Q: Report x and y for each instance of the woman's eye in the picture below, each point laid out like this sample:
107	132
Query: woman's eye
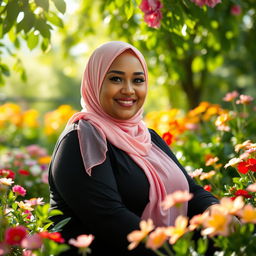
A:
139	80
115	79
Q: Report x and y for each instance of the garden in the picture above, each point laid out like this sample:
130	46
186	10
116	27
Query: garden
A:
201	102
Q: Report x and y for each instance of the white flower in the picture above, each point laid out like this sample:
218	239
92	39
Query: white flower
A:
35	170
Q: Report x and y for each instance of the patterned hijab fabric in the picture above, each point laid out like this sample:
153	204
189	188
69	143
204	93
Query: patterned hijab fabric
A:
131	136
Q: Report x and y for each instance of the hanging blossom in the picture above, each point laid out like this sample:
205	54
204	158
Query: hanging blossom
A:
152	12
210	3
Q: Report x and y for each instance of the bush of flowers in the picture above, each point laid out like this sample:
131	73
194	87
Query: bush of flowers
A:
25	225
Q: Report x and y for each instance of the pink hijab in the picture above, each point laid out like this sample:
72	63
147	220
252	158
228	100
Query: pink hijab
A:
131	136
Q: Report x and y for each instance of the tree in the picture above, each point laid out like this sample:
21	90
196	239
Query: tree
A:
187	47
26	21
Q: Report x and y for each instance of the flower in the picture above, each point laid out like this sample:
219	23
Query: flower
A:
178	230
6	181
207	175
208	188
36	151
167	137
244	99
242	192
82	241
35	201
138	235
35	170
156	238
246	166
44	160
55	236
248	214
19	190
246	144
210	3
32	242
6	173
233	162
24	172
235	10
230	206
198	220
14	235
196	173
176	199
4	248
152	12
230	96
212	161
217	223
25	206
252	187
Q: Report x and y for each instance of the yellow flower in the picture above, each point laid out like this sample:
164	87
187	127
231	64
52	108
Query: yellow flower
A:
25	206
245	144
176	199
157	238
30	118
217	223
248	214
137	236
44	160
198	220
178	230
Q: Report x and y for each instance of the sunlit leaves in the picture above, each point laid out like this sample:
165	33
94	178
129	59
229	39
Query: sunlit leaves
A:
60	5
32	40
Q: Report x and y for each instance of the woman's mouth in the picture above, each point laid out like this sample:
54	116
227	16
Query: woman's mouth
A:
125	102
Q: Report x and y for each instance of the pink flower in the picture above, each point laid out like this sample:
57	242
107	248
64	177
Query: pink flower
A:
19	190
82	241
14	236
210	3
44	177
152	12
36	151
28	253
230	96
235	10
244	99
35	201
252	187
32	242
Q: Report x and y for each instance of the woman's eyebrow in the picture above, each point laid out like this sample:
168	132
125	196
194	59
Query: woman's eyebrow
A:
122	73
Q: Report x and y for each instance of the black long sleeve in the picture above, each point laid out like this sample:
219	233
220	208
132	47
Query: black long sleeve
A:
109	203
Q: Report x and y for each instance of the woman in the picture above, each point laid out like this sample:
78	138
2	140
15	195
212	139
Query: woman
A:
108	170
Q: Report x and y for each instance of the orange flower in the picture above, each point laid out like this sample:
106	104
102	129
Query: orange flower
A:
25	206
178	230
217	223
198	220
248	214
137	236
176	199
44	160
212	161
157	238
82	241
207	175
230	206
245	145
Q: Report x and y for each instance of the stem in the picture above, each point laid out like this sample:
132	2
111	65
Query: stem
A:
167	248
160	253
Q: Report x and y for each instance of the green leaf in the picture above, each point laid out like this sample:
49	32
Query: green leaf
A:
43	28
27	22
58	226
43	3
55	212
32	40
60	5
202	245
45	45
128	9
13	10
54	19
6	71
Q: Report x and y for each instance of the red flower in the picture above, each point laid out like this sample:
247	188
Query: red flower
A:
235	10
208	188
15	235
55	236
242	192
167	137
246	166
6	173
23	172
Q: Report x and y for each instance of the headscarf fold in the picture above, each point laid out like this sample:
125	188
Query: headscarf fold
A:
131	136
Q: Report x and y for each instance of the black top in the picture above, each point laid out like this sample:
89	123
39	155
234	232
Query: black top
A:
109	203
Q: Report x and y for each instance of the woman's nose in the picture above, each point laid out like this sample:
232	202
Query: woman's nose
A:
127	88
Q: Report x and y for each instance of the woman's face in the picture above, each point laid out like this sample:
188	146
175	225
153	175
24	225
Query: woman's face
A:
124	89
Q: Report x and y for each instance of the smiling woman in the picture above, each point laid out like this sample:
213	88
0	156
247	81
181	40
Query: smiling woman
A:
108	170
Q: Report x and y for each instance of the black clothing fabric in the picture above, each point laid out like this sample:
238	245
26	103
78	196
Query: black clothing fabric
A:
109	203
